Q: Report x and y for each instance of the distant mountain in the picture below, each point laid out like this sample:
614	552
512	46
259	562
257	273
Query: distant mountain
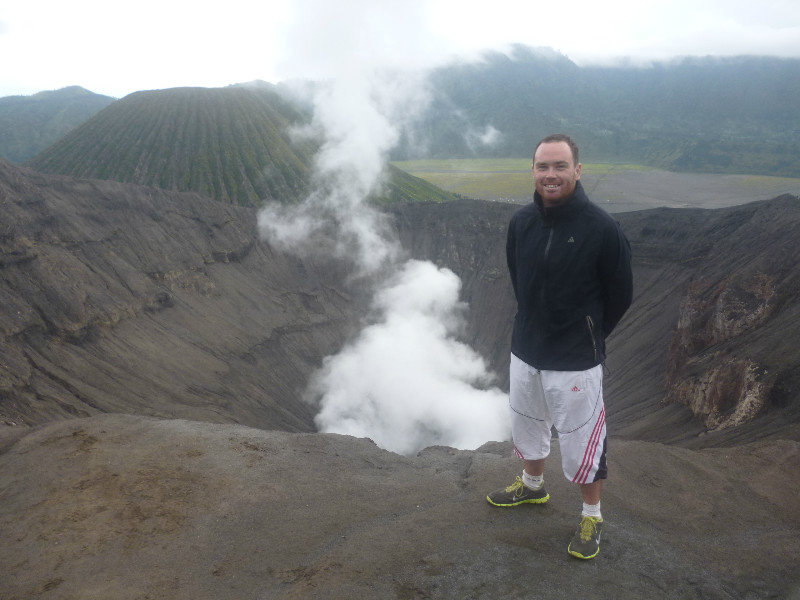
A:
696	114
29	124
721	115
233	144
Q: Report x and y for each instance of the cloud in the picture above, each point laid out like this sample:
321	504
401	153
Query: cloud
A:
329	38
168	44
406	382
489	136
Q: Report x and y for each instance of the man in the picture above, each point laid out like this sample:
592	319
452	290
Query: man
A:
570	267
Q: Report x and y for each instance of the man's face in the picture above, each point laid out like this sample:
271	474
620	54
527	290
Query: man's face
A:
555	173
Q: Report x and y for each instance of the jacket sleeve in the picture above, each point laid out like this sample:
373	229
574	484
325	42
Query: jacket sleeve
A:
617	277
511	255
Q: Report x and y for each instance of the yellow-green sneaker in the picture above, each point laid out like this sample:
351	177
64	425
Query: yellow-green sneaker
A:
585	543
518	493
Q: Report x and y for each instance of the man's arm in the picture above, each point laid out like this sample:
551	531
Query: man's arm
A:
617	277
511	255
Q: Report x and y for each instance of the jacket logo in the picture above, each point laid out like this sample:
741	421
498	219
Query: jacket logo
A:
575	388
571	240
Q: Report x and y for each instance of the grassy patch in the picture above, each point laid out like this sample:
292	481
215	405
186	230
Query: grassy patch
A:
461	165
507	179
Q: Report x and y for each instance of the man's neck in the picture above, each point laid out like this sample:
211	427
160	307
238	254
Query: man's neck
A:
555	203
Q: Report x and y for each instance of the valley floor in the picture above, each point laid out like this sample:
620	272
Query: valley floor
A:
619	188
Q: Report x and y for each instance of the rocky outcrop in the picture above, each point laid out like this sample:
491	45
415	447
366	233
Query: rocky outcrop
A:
731	343
724	396
731	391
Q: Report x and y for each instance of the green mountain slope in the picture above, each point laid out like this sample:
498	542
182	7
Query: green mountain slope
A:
29	124
403	187
233	144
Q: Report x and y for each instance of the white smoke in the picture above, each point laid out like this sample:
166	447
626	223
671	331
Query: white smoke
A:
406	381
348	168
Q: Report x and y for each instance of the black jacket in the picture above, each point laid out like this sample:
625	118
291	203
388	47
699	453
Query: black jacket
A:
570	266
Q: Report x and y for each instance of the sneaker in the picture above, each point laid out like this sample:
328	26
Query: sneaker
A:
585	543
517	493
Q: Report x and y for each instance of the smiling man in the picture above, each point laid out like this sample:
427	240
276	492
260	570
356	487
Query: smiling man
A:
556	171
570	266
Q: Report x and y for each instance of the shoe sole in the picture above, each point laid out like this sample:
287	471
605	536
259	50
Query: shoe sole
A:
529	501
581	556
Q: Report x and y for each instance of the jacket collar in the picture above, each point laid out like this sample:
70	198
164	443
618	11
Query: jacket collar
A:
571	207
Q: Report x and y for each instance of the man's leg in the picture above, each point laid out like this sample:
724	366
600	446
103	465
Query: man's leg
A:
530	430
533	474
528	489
535	467
592	491
576	401
585	543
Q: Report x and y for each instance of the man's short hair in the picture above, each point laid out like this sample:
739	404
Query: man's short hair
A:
560	137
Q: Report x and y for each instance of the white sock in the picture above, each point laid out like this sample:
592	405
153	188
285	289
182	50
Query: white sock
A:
532	481
592	510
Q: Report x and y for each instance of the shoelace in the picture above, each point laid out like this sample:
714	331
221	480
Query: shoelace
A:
516	486
588	528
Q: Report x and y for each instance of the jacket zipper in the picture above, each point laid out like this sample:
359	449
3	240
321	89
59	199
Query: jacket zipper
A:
543	291
549	242
590	323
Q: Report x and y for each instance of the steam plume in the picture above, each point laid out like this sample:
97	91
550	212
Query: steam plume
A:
348	168
406	381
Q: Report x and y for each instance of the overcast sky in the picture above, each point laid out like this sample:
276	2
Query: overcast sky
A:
118	48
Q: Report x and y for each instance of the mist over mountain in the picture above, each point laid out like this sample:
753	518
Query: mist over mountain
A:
701	114
28	124
716	358
161	359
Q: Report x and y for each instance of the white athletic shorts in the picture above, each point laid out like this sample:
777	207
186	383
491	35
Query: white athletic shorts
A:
570	401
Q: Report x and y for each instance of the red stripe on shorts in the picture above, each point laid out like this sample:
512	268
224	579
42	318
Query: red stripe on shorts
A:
591	449
518	453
